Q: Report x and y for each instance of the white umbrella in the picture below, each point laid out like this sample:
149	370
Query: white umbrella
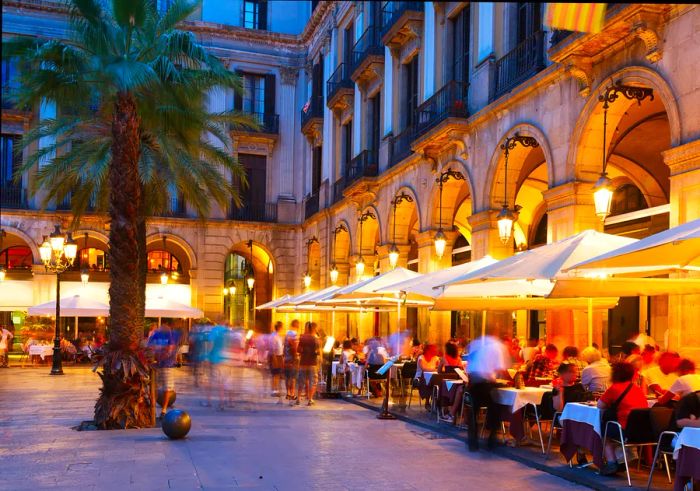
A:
273	304
162	307
75	306
369	291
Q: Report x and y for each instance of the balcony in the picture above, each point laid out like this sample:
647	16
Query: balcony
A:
439	117
401	22
338	188
13	196
521	63
368	57
400	146
364	165
311	205
254	212
312	118
176	208
269	124
340	89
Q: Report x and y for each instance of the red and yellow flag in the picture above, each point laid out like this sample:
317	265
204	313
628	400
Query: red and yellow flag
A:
584	17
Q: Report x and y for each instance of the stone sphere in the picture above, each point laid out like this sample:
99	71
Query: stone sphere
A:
160	397
176	424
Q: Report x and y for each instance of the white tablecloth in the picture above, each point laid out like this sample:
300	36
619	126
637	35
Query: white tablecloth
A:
41	350
518	398
450	383
688	437
356	372
583	413
394	370
427	376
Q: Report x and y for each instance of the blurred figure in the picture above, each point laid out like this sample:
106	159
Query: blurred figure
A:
529	352
638	379
416	349
661	378
648	357
308	363
291	361
6	338
486	357
596	376
219	358
199	351
628	348
687	382
347	356
164	343
571	355
451	360
276	360
543	366
376	357
566	388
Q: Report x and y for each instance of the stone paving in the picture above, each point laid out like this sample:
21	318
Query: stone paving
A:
255	445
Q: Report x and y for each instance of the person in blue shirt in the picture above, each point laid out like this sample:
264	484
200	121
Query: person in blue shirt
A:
164	343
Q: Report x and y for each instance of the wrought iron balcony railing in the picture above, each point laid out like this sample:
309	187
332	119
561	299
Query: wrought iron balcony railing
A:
365	164
254	212
524	61
311	205
268	123
338	188
340	79
13	196
392	12
368	44
448	102
400	146
313	110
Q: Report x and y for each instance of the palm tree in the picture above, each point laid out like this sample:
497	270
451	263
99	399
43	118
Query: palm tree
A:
136	91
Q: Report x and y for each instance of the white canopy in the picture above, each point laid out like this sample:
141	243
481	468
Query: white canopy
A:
368	291
16	295
273	304
673	249
162	307
74	306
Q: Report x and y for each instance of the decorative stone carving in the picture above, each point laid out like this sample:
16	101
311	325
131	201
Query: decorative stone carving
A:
581	68
289	75
647	31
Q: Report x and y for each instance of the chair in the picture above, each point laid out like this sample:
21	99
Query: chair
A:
556	425
414	386
467	402
638	434
371	374
661	418
407	372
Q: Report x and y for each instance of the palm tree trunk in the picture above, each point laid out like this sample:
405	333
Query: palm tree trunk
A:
124	400
143	263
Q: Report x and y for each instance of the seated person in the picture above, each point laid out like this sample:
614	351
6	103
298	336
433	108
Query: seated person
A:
687	413
638	362
649	356
346	357
596	376
661	378
628	396
543	366
428	361
376	357
566	389
451	360
687	383
571	355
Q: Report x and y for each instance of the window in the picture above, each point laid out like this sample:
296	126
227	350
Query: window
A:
459	65
16	257
316	169
346	145
253	195
540	236
373	137
254	94
255	14
163	261
529	20
626	199
11	161
461	251
92	259
410	92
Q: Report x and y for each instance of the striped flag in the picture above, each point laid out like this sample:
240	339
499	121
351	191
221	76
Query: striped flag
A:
584	17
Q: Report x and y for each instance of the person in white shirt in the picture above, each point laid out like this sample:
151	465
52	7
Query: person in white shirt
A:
276	347
687	383
596	376
5	342
661	378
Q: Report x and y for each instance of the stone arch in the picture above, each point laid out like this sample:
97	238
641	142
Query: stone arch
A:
20	238
343	243
453	195
95	239
175	245
407	214
576	165
517	162
371	232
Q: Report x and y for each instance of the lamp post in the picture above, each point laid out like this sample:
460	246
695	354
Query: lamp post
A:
84	272
393	250
602	189
58	253
507	217
250	280
360	264
334	269
307	274
440	239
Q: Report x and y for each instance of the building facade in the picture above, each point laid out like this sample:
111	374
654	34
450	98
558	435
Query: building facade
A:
361	102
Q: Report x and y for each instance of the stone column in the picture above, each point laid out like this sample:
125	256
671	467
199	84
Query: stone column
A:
288	131
485	239
684	310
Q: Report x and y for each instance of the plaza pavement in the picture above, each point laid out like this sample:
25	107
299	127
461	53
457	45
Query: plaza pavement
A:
255	445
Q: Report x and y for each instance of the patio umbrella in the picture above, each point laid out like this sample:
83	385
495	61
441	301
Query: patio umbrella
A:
273	304
73	306
162	307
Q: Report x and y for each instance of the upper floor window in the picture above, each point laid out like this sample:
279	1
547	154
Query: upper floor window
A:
11	159
459	64
163	261
253	93
626	199
91	258
255	14
16	257
529	20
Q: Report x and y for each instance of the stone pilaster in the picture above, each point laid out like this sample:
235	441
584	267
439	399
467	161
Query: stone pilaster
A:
570	210
485	239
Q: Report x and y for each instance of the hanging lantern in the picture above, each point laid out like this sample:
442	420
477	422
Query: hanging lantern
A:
360	267
307	280
250	280
440	243
84	276
225	291
2	273
334	274
164	278
505	224
393	255
602	196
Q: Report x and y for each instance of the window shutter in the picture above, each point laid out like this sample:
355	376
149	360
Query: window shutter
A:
270	93
238	97
262	15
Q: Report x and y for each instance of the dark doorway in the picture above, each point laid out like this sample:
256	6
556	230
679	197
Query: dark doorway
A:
623	323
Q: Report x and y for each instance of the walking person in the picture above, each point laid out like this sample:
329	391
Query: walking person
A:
164	343
276	360
5	342
308	363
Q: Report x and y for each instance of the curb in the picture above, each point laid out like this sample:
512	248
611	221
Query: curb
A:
565	473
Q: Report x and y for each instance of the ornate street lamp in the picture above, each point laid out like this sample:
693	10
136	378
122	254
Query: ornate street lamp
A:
250	276
360	264
440	239
84	273
603	190
58	252
393	250
307	274
334	269
506	217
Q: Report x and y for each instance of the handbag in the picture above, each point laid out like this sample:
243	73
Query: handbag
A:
610	413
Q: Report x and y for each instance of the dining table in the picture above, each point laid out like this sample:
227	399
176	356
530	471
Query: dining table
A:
357	372
41	350
581	427
686	452
513	402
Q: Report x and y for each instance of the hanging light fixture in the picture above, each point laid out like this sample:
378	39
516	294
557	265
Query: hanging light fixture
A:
360	264
334	269
250	276
164	278
84	273
307	274
232	290
440	239
394	250
225	291
603	188
507	217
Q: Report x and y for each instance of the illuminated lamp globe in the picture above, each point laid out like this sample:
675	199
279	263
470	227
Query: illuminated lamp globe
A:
440	243
334	274
45	251
602	196
84	276
57	240
2	273
393	255
164	278
250	280
505	224
360	267
307	280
